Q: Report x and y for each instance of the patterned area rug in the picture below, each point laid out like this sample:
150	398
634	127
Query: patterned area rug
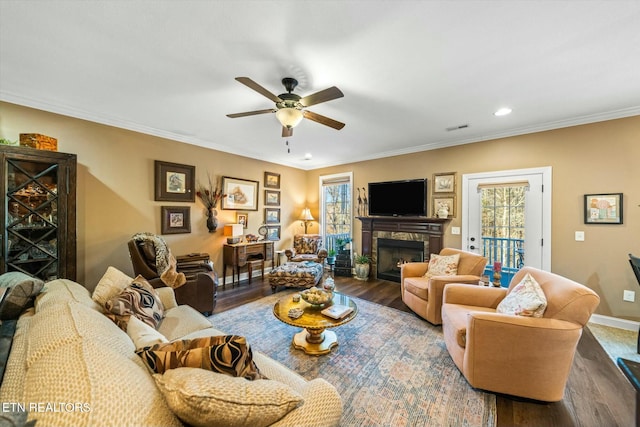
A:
391	368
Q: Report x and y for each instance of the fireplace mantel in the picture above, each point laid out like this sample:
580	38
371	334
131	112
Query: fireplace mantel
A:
434	227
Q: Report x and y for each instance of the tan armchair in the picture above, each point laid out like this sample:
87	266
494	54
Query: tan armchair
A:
306	247
424	295
529	357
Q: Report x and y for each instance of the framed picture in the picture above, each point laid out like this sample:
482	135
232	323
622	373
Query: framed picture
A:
603	208
272	215
271	198
449	201
239	194
175	219
444	182
273	232
174	182
242	218
271	180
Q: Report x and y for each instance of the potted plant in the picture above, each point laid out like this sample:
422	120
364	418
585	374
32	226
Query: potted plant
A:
331	256
341	243
362	265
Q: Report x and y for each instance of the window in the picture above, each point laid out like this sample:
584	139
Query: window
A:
336	207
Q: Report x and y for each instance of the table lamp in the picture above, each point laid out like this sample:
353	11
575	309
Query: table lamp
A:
306	217
233	230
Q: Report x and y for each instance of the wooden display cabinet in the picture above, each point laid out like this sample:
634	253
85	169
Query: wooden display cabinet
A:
39	212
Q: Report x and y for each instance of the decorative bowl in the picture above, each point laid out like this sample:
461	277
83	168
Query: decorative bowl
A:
315	296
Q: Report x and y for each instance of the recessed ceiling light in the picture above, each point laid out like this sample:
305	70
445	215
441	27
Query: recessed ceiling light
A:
502	112
307	156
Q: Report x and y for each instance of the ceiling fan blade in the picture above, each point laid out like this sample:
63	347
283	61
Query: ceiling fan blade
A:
322	96
287	131
255	86
251	113
323	120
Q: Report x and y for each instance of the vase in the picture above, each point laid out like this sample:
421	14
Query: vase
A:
212	220
362	271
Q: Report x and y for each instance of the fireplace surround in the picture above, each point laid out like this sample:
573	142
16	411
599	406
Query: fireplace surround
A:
429	231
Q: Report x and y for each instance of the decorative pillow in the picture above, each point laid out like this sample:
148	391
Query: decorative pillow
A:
225	354
205	398
525	299
111	284
442	265
142	334
22	288
139	300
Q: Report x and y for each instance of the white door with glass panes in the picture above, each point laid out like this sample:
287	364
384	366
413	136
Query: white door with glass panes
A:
507	218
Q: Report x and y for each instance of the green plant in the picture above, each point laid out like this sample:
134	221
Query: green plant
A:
341	243
362	259
4	141
331	253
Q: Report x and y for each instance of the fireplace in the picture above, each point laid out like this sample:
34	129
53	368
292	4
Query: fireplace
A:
392	253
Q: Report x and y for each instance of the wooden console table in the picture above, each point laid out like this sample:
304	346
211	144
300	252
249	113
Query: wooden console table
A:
236	256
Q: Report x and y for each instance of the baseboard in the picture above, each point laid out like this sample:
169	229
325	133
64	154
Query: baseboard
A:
615	322
245	276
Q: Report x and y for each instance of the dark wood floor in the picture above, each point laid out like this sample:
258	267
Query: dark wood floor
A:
597	392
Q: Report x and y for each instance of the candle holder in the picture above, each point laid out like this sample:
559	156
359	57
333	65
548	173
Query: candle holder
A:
496	278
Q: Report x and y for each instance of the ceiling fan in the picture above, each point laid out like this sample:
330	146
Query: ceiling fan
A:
290	108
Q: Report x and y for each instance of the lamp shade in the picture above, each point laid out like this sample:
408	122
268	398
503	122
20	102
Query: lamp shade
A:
289	117
233	230
306	215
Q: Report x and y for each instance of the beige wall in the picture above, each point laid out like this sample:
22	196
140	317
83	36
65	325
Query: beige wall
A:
115	191
595	158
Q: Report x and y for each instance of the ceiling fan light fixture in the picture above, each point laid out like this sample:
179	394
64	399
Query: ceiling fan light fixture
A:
289	117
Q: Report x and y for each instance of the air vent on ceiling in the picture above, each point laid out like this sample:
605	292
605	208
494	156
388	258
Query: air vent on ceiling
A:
457	127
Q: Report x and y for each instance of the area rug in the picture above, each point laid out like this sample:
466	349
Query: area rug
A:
391	368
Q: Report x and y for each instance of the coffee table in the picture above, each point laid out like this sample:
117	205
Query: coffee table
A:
314	339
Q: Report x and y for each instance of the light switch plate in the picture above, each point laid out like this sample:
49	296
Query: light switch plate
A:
629	296
455	230
579	236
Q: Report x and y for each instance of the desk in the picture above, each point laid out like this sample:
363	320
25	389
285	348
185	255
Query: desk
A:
236	256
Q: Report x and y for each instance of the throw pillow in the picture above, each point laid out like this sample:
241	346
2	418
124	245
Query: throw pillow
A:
142	334
525	299
442	265
19	296
225	354
111	284
139	300
205	398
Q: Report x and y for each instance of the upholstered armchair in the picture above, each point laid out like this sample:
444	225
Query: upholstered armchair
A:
423	294
148	251
513	354
306	247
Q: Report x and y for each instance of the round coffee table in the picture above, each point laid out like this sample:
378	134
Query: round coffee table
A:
314	339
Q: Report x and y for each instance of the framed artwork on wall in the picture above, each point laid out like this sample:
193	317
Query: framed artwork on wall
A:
444	182
271	180
239	194
603	208
439	201
175	219
242	218
174	182
273	232
271	198
272	215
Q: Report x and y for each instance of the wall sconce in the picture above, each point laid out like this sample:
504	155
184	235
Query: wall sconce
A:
305	217
233	230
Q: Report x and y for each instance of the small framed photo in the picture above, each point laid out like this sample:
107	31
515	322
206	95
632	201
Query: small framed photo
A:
239	194
603	208
242	218
273	232
175	219
272	215
174	182
271	198
444	182
440	201
271	180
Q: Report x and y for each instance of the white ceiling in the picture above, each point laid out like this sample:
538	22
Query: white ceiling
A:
408	69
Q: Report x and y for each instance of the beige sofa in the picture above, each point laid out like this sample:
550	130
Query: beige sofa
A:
523	356
71	365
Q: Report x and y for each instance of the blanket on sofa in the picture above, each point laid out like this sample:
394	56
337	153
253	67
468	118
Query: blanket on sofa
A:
166	263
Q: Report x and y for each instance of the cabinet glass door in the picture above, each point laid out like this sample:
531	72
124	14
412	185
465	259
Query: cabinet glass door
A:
32	218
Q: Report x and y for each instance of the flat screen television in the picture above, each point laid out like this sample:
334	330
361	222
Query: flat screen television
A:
398	198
